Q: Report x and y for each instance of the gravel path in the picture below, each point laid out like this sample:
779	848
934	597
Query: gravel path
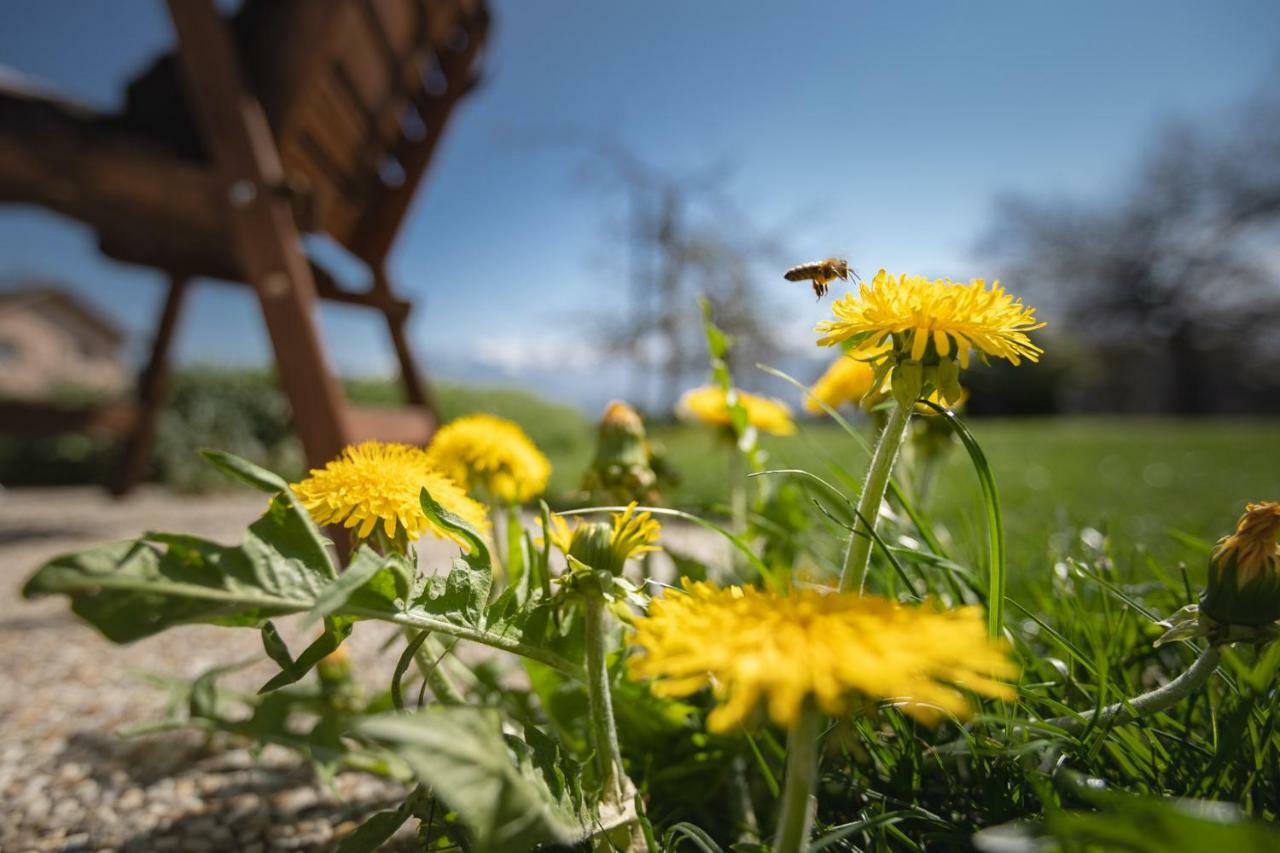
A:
70	782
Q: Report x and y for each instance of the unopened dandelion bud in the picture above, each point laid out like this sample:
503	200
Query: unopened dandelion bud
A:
622	469
591	547
1243	587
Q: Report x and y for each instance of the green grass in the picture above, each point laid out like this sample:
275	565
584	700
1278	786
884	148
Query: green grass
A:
1133	480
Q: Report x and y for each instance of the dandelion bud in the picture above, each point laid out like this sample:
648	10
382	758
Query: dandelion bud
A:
1244	571
622	469
591	546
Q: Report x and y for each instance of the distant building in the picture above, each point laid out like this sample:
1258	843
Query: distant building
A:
52	343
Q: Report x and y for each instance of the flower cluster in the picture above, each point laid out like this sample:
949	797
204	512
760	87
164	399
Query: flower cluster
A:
765	651
709	405
492	456
374	484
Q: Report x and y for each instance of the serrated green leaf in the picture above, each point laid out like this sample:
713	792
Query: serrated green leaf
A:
1140	825
335	631
245	471
135	589
461	754
459	595
358	572
478	552
131	590
375	831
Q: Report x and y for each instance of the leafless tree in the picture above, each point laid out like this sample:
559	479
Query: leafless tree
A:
684	237
1178	275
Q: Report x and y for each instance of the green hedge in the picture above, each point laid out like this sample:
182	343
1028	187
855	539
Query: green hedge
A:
244	412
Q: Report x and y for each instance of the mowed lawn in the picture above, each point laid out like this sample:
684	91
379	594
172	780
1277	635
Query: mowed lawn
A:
1132	480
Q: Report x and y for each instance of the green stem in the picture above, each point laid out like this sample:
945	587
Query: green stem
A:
1120	713
605	732
498	535
796	818
737	492
1146	704
854	574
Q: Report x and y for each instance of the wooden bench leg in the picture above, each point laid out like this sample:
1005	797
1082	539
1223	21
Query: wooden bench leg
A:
152	386
417	391
268	244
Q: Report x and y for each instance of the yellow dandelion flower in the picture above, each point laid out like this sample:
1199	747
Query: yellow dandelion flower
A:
1243	586
848	379
765	651
709	405
916	314
607	546
374	483
491	454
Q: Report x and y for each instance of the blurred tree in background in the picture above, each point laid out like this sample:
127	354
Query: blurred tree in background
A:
685	237
1177	279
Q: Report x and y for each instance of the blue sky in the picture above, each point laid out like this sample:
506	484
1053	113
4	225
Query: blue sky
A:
902	119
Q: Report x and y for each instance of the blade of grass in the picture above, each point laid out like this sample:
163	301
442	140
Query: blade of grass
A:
995	521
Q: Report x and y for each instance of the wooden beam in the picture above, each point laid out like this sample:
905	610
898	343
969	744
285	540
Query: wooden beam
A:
152	388
385	213
265	235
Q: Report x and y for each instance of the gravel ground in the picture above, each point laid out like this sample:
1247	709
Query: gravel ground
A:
70	782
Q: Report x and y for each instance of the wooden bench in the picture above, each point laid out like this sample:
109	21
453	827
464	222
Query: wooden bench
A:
291	117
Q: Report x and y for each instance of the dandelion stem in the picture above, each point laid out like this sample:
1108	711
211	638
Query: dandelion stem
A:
736	491
854	574
737	497
608	753
796	818
1151	702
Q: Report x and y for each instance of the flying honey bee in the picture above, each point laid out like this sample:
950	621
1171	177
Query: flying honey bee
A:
821	273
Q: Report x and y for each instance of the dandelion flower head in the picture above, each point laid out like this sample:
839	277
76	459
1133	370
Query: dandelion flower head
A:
767	651
848	379
710	405
491	454
913	312
373	484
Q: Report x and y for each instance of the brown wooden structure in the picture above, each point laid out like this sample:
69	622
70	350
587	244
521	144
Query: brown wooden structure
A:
292	116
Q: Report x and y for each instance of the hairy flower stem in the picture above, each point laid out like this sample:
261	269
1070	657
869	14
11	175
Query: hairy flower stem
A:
737	492
796	818
737	501
854	574
608	754
1151	702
